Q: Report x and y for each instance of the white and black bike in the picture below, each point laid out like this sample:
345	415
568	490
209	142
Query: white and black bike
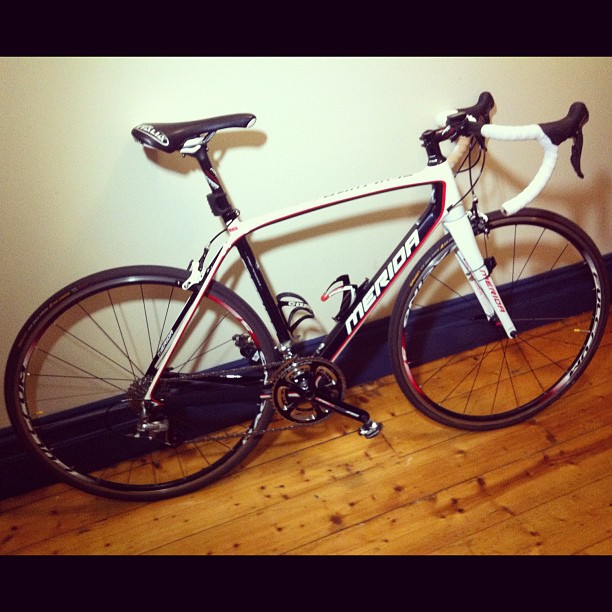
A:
146	382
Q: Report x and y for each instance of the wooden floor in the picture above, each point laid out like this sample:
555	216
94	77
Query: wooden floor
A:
539	488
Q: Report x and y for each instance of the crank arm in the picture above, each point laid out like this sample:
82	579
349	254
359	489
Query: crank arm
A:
369	427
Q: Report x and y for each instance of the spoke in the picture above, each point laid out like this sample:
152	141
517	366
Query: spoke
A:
163	326
535	348
504	360
559	257
487	349
527	362
110	299
70	396
528	259
195	356
179	367
474	379
144	309
140	373
95	350
89	374
451	289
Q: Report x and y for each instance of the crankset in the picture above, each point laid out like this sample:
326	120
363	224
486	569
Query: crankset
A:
309	389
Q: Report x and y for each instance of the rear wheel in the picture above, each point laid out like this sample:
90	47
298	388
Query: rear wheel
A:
75	381
462	370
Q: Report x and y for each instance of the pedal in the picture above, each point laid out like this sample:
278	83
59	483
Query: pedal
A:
370	429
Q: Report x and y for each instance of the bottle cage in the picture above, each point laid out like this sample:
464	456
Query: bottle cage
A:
349	291
299	309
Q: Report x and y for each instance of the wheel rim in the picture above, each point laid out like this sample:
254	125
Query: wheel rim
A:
78	379
476	374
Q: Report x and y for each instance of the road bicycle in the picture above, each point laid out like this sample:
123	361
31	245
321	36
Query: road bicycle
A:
147	382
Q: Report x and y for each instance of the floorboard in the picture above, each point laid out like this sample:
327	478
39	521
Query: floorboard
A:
539	488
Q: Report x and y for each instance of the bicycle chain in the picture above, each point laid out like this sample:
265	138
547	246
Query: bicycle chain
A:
252	434
275	365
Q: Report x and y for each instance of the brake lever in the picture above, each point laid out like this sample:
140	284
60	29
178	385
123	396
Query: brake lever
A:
473	128
464	126
569	127
577	152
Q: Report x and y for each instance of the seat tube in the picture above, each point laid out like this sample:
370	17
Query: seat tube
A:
269	303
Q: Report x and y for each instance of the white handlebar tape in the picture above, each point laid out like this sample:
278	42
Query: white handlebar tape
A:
526	132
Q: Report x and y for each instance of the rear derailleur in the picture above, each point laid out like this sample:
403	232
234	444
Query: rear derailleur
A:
152	422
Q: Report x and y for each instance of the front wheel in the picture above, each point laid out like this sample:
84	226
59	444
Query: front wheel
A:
461	369
76	377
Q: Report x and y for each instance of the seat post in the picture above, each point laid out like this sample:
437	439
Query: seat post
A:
217	199
221	206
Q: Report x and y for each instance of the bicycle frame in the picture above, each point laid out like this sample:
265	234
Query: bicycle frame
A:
96	398
445	195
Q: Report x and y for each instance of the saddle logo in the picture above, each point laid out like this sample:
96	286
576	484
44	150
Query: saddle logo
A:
154	133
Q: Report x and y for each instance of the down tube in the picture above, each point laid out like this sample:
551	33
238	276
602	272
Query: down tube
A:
373	291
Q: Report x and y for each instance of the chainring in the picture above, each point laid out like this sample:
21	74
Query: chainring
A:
298	382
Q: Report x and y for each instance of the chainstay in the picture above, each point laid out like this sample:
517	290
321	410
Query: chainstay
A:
271	368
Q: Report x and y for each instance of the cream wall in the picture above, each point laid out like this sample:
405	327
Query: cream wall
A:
78	195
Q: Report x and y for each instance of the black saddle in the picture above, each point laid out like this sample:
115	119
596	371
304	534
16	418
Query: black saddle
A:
170	137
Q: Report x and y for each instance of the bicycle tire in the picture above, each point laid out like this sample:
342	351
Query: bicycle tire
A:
463	371
72	384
